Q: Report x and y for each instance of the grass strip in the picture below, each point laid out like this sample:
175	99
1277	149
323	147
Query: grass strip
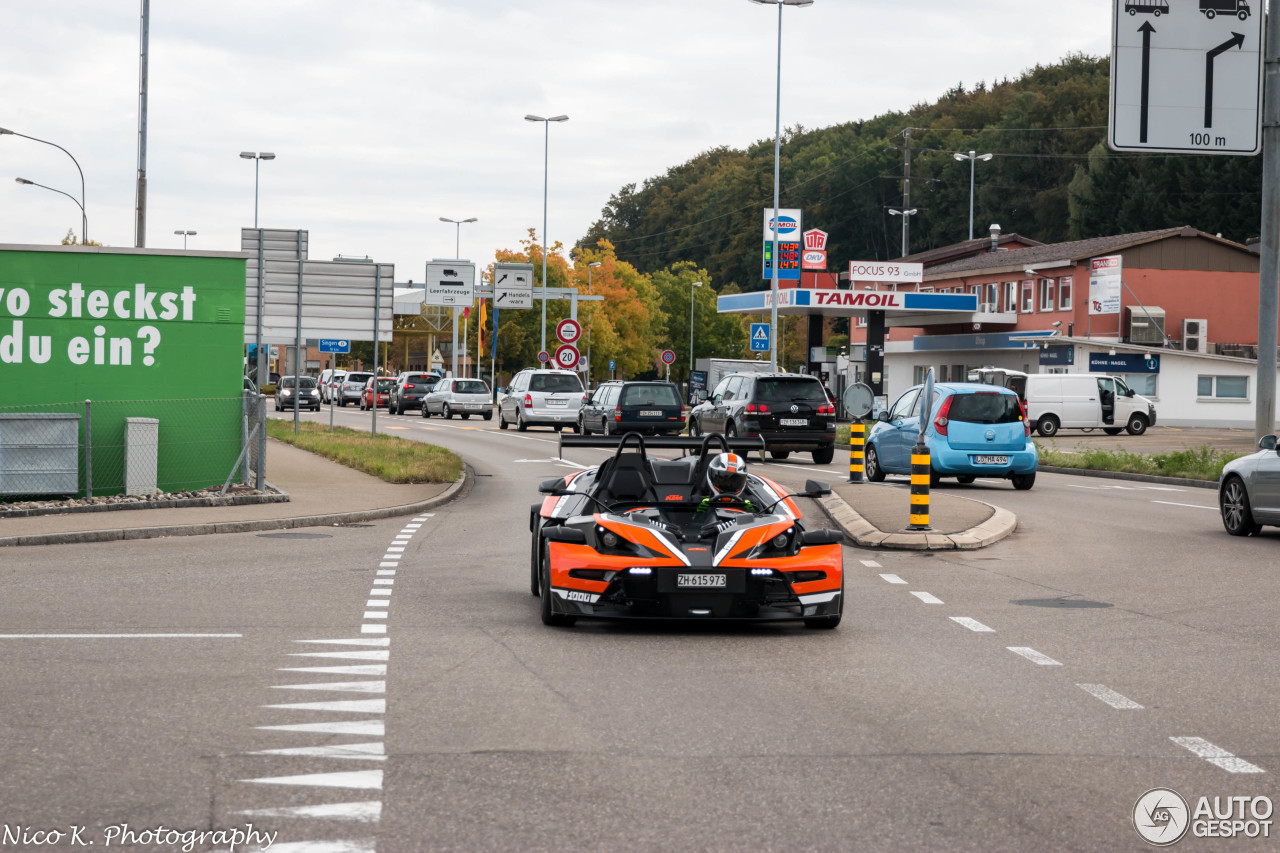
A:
388	457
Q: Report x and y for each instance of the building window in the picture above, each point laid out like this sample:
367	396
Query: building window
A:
1046	294
862	321
993	296
918	374
1223	387
1028	304
924	289
1146	384
1064	294
1011	297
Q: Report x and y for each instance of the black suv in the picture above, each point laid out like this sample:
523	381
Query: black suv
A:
790	411
653	408
409	391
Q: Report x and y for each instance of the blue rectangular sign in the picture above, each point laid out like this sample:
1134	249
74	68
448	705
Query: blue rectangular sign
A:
334	345
759	337
1059	355
1100	362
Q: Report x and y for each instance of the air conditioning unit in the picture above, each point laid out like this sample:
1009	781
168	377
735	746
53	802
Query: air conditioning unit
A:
986	308
1146	325
1195	335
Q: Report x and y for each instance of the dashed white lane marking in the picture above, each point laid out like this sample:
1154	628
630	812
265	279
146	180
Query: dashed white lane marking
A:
1111	697
387	572
364	845
360	641
1193	506
120	636
340	686
374	614
367	812
363	751
383	582
368	780
373	655
360	728
871	564
972	624
1033	655
893	579
395	550
373	629
1216	755
927	598
379	592
361	669
372	603
350	706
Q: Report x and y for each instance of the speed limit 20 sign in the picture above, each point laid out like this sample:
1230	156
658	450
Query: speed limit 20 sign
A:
567	357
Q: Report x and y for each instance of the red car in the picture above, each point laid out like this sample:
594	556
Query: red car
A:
385	387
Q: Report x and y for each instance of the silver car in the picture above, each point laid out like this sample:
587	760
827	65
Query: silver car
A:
464	397
352	388
1249	490
542	397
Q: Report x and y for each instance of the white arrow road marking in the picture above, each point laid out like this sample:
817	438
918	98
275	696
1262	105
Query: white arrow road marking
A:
368	751
1033	655
360	728
367	780
972	624
355	706
342	686
363	669
364	845
356	642
1112	698
1216	755
927	598
376	655
368	812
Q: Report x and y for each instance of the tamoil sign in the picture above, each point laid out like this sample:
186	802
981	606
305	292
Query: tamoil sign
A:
787	229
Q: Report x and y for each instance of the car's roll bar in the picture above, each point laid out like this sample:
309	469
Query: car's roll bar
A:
662	442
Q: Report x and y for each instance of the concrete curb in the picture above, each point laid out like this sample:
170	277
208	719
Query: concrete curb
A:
863	533
457	489
1140	478
278	496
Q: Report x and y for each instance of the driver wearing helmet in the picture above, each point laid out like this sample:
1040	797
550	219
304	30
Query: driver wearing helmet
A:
726	482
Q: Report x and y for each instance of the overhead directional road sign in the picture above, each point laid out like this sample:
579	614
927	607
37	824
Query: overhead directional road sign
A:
513	285
1185	80
450	282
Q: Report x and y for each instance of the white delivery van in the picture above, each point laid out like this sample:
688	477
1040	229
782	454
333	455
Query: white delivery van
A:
1074	400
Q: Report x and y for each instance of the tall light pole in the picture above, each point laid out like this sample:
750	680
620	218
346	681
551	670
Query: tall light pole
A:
897	211
691	292
457	244
256	158
973	157
51	189
592	315
546	143
185	235
84	219
777	158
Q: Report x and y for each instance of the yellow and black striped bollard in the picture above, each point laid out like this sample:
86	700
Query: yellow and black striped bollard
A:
921	474
857	443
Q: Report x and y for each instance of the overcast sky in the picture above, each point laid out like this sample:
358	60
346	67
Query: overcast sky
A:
388	114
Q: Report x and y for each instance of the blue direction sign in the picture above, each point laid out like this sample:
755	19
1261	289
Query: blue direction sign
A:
759	337
334	345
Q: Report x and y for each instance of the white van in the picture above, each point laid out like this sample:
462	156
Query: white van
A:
1075	400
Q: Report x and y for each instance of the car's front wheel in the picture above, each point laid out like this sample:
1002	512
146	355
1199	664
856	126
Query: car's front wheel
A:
695	429
549	616
871	465
826	623
1237	515
1137	424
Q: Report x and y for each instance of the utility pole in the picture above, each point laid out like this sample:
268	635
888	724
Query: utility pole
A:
1269	271
906	195
140	226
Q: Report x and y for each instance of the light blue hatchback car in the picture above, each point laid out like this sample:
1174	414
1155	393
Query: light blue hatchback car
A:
973	431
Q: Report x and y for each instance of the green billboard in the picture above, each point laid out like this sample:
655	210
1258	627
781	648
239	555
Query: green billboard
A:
139	334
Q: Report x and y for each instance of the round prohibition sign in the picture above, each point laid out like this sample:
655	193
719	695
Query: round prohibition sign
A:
567	356
668	357
568	331
543	357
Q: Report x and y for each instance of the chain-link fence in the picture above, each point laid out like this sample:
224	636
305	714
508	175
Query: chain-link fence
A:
110	447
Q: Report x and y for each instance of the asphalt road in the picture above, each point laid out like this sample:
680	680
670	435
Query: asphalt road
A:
911	727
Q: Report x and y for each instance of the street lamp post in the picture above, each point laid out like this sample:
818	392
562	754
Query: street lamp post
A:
973	157
84	218
59	192
256	158
691	292
592	315
185	235
457	244
897	211
546	142
777	158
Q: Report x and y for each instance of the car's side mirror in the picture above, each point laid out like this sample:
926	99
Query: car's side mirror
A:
821	537
816	489
883	416
557	533
555	486
702	396
1267	442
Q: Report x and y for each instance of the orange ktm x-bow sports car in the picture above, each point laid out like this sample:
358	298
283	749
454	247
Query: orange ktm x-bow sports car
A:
690	538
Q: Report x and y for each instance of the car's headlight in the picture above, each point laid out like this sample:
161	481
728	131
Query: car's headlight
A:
286	392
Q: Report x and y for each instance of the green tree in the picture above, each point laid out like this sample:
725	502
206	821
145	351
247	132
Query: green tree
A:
715	335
